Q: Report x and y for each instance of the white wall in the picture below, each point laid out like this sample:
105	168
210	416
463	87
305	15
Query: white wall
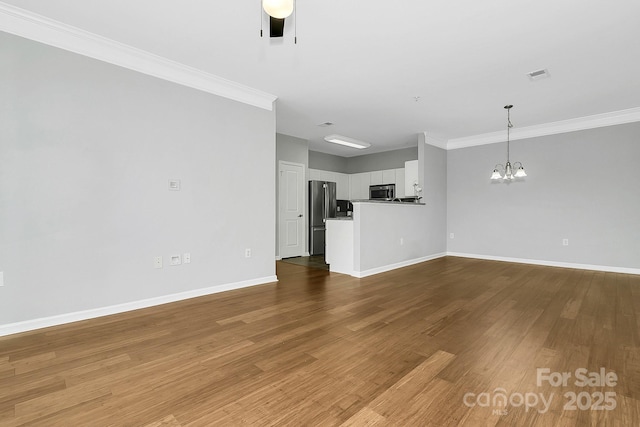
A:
87	149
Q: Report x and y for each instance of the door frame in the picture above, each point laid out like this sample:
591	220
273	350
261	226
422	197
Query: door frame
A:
305	222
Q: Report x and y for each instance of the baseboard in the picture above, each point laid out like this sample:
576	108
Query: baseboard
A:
389	267
609	269
45	322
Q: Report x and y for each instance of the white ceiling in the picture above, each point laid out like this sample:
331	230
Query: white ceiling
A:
361	63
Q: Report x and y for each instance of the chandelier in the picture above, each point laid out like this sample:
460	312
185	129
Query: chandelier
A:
505	171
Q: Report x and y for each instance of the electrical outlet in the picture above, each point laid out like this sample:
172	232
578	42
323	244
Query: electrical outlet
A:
451	235
186	258
175	260
247	253
157	262
174	185
401	241
565	242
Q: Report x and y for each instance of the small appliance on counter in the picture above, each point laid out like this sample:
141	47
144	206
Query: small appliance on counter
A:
382	192
344	208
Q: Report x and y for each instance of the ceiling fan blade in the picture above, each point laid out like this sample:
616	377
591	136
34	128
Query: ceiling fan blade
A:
277	26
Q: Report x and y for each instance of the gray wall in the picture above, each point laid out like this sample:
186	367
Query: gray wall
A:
327	162
393	159
292	149
583	186
433	172
296	150
86	152
380	161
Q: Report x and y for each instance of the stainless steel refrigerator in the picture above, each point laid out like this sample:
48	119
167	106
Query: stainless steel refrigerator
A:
322	205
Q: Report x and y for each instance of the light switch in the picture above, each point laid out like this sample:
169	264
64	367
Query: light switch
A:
174	185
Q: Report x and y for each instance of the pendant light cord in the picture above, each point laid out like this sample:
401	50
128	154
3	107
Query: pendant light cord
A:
509	126
508	131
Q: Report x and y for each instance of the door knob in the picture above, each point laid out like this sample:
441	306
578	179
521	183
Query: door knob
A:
300	216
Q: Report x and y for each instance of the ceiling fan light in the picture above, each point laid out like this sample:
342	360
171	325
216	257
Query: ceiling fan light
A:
279	9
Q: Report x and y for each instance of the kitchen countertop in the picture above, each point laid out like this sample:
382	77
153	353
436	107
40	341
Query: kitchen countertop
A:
388	202
341	218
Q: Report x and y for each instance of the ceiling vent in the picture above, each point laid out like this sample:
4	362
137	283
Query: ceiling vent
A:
538	75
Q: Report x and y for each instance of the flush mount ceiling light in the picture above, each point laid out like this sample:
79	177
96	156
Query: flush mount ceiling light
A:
506	171
345	140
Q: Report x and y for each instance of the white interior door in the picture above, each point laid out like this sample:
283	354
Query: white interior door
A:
291	236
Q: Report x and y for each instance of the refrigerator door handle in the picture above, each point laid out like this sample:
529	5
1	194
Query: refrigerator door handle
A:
326	203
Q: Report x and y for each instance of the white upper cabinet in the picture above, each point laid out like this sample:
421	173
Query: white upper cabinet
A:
400	183
389	176
359	185
376	178
355	186
327	176
342	186
410	177
365	182
314	175
341	180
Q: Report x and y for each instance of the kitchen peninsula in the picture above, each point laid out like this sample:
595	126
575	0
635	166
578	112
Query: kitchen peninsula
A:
381	236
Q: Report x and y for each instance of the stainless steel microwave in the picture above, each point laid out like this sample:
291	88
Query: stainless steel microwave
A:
382	192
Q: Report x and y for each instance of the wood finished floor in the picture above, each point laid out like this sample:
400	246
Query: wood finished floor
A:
317	348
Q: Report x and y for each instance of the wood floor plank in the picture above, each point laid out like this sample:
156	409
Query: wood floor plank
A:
410	385
56	401
401	348
168	421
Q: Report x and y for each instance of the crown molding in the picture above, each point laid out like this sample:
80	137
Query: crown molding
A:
581	123
435	141
35	27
